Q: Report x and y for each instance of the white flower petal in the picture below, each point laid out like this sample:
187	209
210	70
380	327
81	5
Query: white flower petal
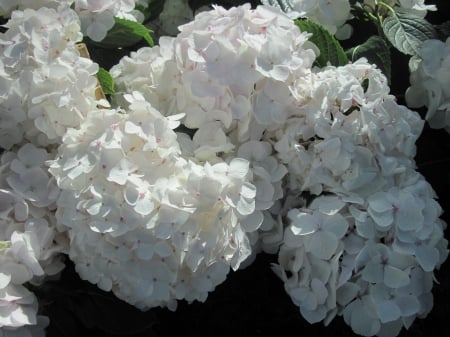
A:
394	277
427	257
323	244
388	311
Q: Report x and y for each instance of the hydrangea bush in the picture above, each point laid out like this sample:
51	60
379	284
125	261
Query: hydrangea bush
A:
241	132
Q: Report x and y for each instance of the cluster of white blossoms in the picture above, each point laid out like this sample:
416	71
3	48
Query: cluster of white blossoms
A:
46	86
224	140
429	80
244	80
229	73
143	221
97	17
30	246
367	244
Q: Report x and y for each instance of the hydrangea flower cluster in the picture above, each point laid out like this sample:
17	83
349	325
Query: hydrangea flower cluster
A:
30	246
429	83
224	140
97	17
366	246
46	86
8	6
225	73
334	133
143	221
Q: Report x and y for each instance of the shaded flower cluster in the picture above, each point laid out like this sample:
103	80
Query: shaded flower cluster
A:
30	246
175	13
367	244
429	78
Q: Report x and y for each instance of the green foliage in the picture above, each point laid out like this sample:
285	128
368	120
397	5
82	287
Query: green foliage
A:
125	33
376	51
406	32
330	49
4	245
106	81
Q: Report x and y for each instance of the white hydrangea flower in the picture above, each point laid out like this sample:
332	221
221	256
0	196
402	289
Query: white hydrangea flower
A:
318	232
26	216
330	14
145	222
230	72
347	134
96	16
222	67
31	247
378	283
19	306
373	218
429	79
51	87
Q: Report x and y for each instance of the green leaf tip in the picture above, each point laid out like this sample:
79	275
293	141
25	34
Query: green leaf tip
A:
331	51
106	81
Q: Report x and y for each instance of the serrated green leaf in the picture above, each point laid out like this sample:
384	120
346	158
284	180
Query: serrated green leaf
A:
376	51
106	81
406	32
125	33
330	49
284	5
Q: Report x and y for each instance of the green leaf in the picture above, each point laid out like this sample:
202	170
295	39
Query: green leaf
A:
284	5
406	32
376	51
330	49
4	245
125	33
106	81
